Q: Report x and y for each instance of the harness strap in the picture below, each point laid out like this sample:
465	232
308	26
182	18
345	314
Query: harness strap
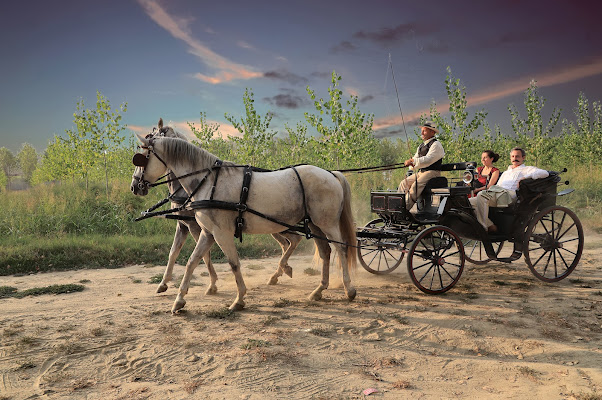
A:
217	166
306	219
242	204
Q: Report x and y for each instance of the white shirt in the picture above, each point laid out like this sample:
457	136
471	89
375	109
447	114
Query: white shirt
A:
435	153
512	176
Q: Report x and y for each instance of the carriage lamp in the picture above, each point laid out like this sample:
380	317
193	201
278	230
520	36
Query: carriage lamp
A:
469	175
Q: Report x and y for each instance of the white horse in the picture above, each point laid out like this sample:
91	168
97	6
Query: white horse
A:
285	196
288	241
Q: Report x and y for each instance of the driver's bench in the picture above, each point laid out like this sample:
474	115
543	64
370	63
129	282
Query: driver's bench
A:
425	201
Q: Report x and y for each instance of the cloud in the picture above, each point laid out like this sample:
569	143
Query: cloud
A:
286	100
401	32
225	129
366	99
343	47
591	67
286	76
226	70
245	45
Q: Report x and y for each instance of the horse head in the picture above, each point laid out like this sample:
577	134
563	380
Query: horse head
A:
149	165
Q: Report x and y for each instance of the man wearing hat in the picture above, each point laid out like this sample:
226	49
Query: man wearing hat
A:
427	160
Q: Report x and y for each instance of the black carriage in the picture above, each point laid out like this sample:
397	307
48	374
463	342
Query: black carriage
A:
444	232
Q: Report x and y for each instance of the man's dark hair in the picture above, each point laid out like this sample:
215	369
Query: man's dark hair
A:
523	152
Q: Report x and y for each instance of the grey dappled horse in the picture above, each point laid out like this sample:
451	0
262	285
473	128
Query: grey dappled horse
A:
278	194
288	241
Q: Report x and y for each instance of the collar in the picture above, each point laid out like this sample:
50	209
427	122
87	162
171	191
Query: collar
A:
429	140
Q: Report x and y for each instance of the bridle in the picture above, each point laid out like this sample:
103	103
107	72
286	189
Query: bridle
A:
141	160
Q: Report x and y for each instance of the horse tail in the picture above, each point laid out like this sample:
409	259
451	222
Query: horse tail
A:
346	223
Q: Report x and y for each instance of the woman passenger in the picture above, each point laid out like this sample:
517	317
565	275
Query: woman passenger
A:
487	175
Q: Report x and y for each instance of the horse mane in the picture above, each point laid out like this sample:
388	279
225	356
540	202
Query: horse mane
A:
181	151
170	132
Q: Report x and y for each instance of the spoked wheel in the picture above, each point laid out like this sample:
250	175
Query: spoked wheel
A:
379	255
436	259
553	243
474	251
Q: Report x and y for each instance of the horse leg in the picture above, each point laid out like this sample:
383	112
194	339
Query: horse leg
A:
225	241
202	247
293	241
178	241
341	250
196	230
287	244
323	249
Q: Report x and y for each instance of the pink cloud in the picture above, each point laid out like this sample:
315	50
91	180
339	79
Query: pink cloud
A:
178	28
551	78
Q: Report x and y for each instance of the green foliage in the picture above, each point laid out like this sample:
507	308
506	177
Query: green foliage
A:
8	163
583	136
210	139
255	145
455	134
28	161
3	180
347	140
530	132
88	148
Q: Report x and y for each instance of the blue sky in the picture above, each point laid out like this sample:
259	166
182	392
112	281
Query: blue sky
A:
174	59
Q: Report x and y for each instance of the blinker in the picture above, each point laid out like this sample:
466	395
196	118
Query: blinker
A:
139	160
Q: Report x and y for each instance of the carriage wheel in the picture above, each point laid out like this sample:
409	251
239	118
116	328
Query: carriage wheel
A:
553	243
474	251
436	259
379	256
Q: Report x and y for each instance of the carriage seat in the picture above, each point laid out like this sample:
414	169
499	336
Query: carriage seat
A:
532	195
440	182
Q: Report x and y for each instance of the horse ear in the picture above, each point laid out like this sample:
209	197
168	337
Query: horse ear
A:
142	139
160	123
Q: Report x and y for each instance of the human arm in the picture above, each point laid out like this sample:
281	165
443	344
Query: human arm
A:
495	175
536	173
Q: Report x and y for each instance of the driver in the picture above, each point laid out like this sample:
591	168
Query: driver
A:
428	159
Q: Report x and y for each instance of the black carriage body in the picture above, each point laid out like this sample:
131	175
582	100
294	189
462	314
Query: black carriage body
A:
534	225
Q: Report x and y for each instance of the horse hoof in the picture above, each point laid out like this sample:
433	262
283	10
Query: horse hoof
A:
351	294
178	305
288	270
162	288
211	290
273	280
236	307
315	296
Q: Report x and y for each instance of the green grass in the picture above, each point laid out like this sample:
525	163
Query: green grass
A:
9	291
65	226
32	254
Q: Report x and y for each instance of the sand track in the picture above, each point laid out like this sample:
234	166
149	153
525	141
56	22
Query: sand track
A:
500	333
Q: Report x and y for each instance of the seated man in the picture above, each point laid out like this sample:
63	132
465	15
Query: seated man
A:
503	193
428	159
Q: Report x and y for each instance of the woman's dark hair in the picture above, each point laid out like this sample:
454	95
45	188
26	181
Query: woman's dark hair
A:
493	155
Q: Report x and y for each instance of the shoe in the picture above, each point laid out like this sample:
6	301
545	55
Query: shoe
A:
492	229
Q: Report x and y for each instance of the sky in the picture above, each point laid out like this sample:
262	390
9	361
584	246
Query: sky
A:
175	59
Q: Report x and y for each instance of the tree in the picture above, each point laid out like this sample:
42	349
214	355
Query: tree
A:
530	131
582	137
3	180
97	135
8	163
210	139
28	161
347	139
255	145
455	134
